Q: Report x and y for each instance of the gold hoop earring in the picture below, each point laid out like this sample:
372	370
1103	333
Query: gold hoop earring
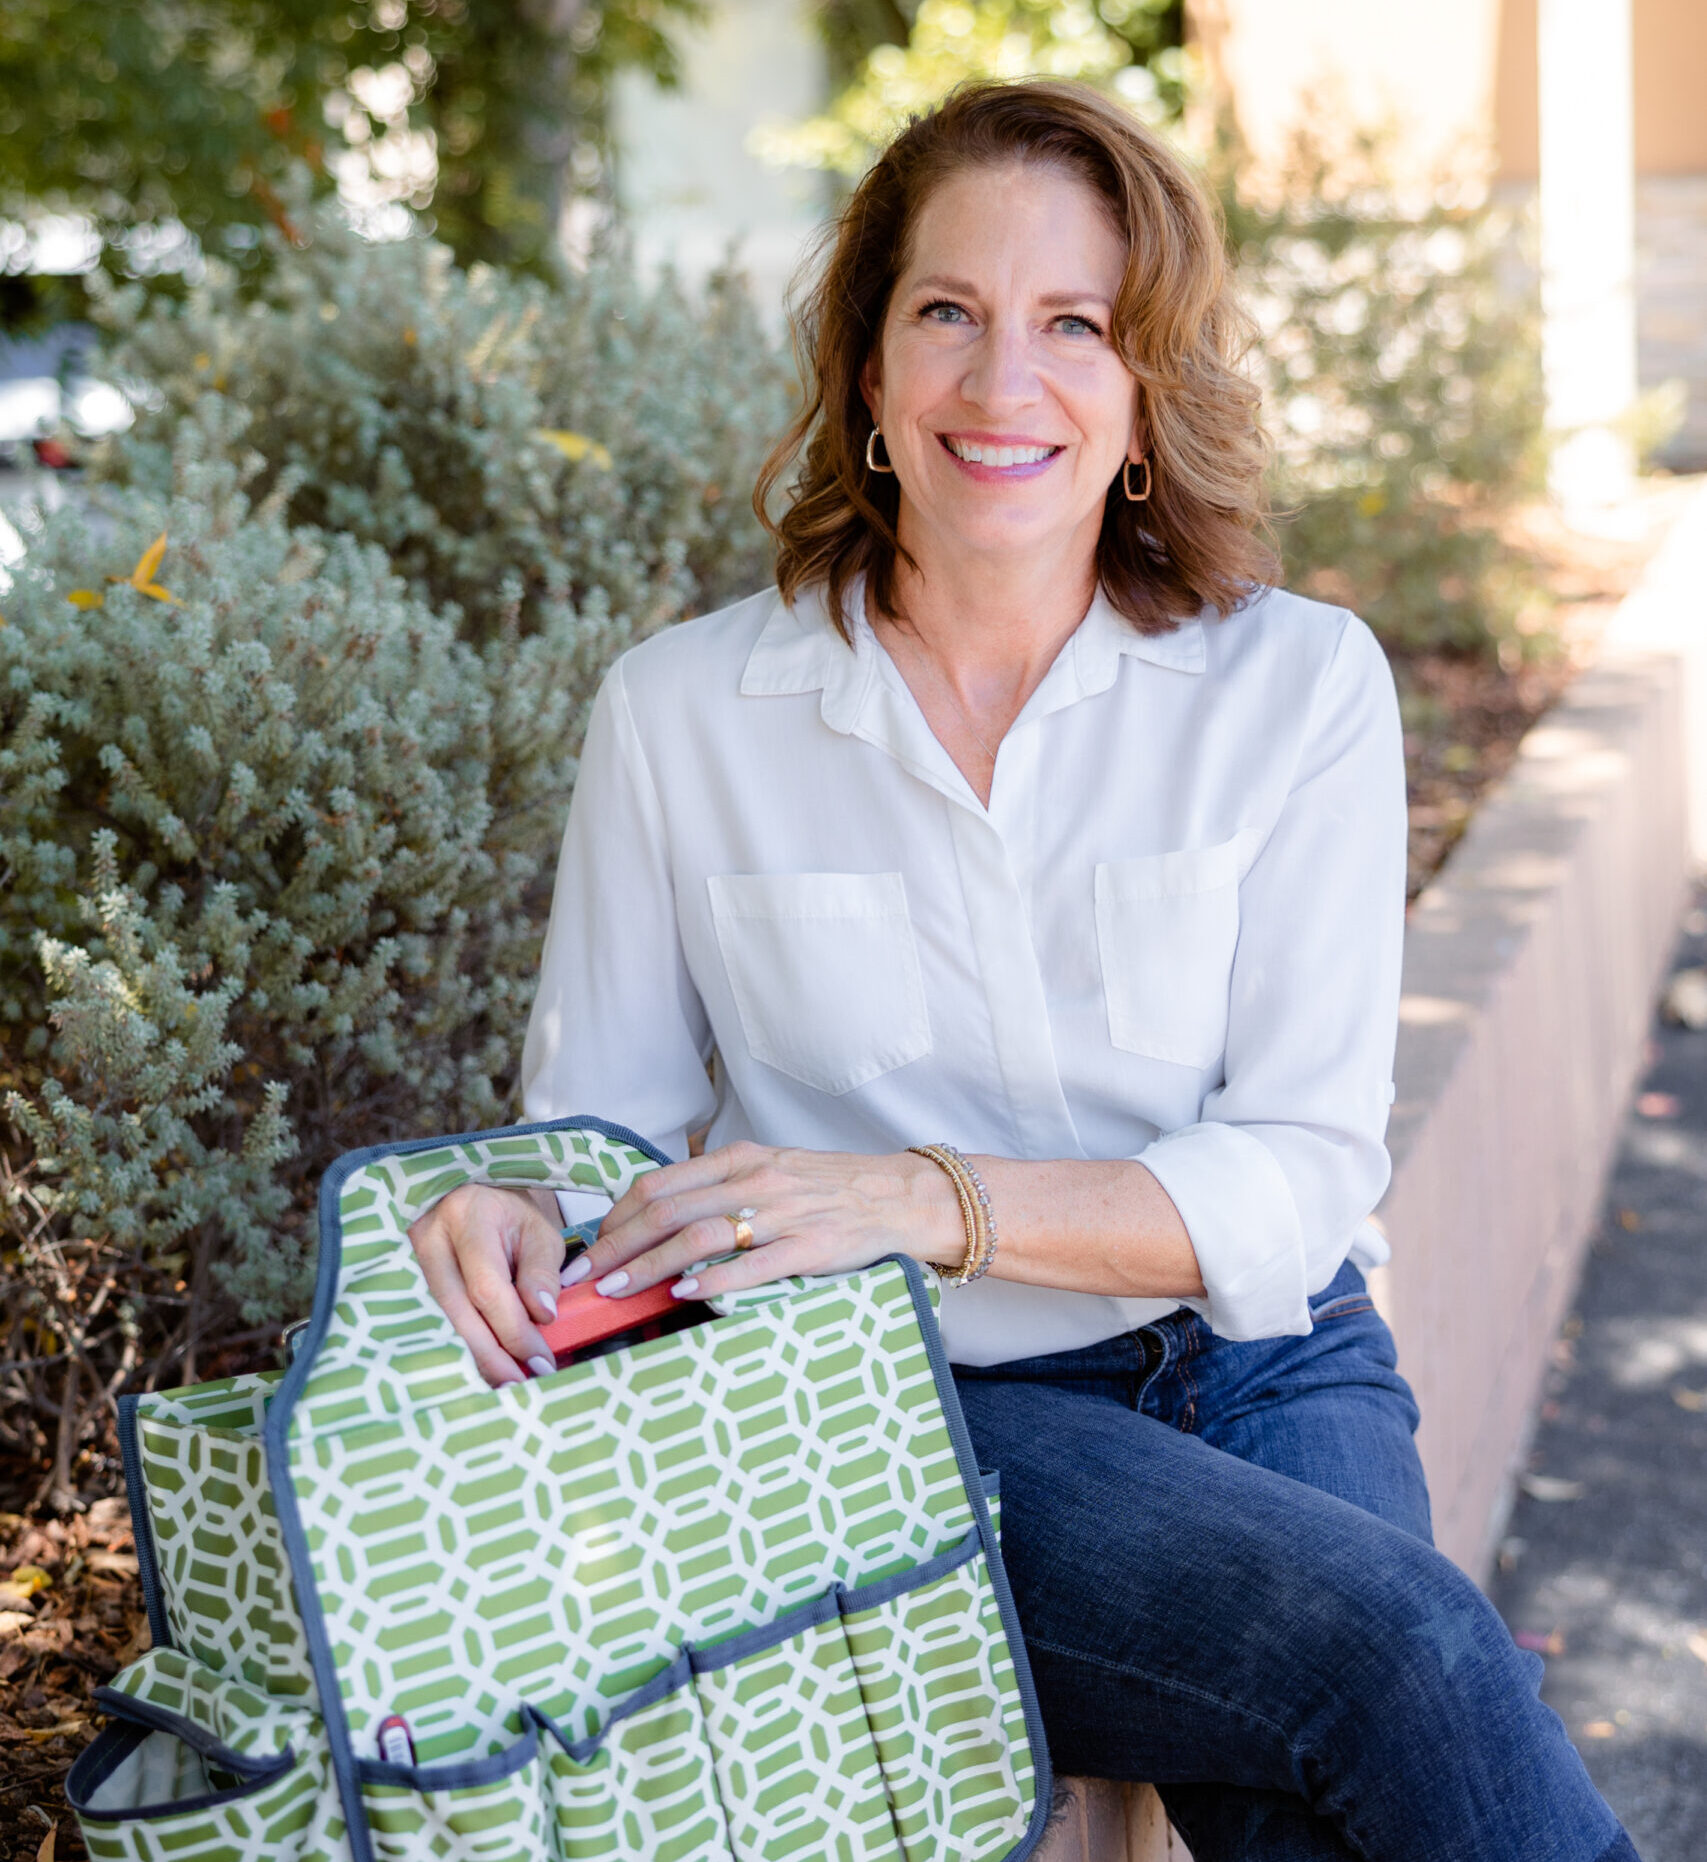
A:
871	464
1135	497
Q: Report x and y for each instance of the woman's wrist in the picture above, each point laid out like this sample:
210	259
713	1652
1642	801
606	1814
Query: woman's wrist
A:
936	1232
977	1221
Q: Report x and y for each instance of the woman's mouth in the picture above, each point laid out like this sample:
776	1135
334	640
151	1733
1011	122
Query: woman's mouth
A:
999	459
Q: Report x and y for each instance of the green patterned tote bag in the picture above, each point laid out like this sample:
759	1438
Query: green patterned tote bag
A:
729	1594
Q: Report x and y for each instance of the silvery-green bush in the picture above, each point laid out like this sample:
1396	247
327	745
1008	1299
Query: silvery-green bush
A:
594	440
274	850
1400	361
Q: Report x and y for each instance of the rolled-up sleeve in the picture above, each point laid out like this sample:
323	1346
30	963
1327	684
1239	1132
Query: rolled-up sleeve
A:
618	1029
1288	1155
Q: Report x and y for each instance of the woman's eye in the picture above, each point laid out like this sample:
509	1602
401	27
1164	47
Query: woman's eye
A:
1078	326
942	312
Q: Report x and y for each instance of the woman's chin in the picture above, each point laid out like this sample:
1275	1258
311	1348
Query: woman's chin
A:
1010	533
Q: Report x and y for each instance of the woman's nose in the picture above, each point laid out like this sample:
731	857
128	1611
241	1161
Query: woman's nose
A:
1003	373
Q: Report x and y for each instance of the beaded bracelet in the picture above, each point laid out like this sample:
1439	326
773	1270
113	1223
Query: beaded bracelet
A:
974	1212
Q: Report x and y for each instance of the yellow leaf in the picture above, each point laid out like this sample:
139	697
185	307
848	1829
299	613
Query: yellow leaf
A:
204	360
576	446
1372	503
29	1579
408	336
145	570
159	594
45	1852
87	598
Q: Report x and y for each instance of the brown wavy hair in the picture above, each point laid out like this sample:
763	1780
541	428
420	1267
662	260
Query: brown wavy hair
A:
1199	540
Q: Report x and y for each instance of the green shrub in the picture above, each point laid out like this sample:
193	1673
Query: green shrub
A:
596	441
274	845
1402	388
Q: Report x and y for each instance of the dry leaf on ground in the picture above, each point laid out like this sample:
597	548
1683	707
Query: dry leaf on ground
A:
1550	1487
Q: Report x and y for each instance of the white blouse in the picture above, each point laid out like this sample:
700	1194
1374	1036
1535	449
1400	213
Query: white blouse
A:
1173	936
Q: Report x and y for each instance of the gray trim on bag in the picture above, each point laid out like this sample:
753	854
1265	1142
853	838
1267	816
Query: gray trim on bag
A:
667	1681
137	1720
350	1770
455	1774
142	1524
109	1750
141	1712
961	1437
837	1602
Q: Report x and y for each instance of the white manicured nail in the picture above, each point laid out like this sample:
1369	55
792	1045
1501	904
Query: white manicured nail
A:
613	1283
541	1367
547	1299
683	1288
577	1271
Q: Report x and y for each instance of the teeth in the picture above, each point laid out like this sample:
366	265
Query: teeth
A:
974	454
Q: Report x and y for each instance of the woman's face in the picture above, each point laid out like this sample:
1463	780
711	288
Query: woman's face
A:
1005	409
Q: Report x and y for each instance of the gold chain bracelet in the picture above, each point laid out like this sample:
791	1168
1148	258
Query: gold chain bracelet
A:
975	1213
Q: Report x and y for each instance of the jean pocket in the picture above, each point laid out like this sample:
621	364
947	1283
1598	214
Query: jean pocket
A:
931	1659
489	1808
796	1766
644	1785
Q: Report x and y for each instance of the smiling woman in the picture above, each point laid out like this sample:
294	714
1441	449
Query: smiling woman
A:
1029	863
1109	273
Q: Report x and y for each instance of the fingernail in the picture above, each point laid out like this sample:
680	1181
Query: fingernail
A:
541	1367
613	1283
577	1271
683	1288
547	1299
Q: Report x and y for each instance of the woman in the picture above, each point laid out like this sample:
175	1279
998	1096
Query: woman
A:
1026	815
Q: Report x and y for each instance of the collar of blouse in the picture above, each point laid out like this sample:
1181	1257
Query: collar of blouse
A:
799	651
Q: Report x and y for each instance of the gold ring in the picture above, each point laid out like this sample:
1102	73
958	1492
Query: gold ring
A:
743	1223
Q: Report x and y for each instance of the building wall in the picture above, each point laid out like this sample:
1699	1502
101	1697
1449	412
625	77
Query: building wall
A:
1670	56
1425	75
689	188
1671	303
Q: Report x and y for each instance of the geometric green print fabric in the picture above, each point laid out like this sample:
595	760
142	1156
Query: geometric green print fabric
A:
726	1596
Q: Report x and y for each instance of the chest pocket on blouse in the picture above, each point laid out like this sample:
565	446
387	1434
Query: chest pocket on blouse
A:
824	972
1167	926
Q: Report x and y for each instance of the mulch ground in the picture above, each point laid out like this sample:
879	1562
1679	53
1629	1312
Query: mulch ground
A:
70	1617
62	1638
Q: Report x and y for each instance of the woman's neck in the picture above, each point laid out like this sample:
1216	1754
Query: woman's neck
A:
977	638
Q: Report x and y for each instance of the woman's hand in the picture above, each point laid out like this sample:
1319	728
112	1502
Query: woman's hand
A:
491	1257
817	1212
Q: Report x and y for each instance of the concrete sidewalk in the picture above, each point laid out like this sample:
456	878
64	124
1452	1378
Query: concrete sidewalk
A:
1604	1566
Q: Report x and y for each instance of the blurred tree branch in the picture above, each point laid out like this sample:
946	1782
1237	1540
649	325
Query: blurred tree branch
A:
147	120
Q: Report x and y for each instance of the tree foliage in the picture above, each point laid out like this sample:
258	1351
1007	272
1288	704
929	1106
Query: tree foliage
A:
1132	46
154	116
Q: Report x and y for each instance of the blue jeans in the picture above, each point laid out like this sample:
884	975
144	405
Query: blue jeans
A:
1223	1565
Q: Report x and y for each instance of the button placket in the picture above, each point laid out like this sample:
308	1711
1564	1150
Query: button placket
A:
1013	988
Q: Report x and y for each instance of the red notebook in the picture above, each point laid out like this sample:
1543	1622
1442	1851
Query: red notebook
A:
585	1316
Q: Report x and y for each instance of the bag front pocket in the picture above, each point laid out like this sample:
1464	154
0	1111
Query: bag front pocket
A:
489	1809
644	1785
930	1657
824	972
796	1767
194	1765
1167	927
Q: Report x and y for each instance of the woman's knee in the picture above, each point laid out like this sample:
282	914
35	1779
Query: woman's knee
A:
1409	1642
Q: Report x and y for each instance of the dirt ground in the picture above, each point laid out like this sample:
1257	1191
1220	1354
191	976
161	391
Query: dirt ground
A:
70	1610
